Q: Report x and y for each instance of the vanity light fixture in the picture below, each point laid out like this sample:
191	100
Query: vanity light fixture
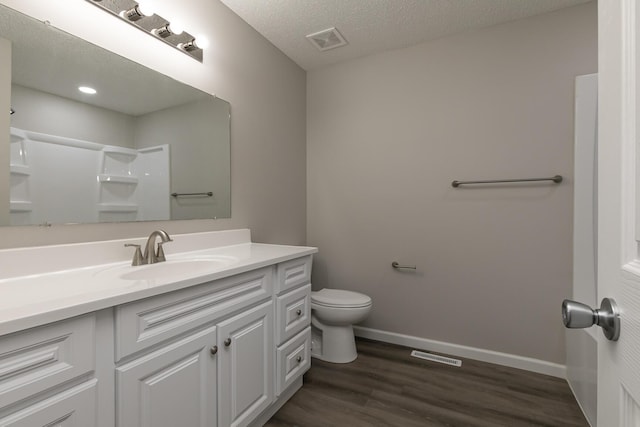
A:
168	30
141	15
189	46
139	11
134	13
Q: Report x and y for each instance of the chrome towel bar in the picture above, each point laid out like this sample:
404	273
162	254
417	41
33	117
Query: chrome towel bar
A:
207	194
556	179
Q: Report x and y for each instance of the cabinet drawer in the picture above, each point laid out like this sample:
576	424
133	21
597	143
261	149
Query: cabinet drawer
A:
293	313
147	322
73	407
293	273
34	360
294	359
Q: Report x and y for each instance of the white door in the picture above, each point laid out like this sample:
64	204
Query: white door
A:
618	198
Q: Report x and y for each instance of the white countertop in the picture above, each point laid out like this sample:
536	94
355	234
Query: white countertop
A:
35	296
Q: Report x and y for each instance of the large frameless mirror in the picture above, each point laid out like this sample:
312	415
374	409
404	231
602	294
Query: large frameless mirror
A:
96	137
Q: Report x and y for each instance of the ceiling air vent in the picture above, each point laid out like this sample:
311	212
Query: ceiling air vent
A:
327	39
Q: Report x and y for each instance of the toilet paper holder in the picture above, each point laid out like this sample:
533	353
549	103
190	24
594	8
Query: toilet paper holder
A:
397	266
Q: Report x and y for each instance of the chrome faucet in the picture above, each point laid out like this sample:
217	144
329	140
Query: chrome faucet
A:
151	254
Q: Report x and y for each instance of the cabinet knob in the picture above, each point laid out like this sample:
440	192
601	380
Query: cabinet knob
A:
227	342
298	312
213	350
299	359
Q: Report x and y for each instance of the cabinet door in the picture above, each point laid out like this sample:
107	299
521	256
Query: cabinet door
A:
246	365
173	386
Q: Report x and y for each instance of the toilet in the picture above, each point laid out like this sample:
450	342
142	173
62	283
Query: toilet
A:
333	312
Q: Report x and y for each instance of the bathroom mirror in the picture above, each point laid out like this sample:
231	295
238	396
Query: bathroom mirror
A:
143	147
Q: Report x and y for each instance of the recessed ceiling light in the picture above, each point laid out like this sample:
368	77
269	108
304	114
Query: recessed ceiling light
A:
86	89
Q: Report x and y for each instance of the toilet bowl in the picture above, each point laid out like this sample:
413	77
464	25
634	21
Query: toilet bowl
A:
333	312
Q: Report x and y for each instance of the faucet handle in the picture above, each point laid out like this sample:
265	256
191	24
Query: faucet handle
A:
160	253
138	259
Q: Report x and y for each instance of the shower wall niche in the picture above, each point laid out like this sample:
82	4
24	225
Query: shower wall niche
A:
57	179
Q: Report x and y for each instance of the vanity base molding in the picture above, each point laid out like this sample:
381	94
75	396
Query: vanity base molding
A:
279	403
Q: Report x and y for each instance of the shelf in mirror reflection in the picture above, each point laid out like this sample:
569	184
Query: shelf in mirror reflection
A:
114	207
118	179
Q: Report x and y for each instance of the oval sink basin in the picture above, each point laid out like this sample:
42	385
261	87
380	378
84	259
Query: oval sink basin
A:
171	269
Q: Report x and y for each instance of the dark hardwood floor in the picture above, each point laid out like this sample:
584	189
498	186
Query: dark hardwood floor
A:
385	386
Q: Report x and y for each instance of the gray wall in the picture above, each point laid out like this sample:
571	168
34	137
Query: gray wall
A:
43	112
387	134
198	134
267	94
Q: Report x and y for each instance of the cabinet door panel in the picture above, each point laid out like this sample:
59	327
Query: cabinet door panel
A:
246	365
170	387
75	407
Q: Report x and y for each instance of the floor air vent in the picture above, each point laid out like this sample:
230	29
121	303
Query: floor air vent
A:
436	358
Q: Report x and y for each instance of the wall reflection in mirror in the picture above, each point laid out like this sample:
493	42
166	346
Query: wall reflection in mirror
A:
114	155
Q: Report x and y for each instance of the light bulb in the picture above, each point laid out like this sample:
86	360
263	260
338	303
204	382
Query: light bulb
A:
146	7
176	27
202	41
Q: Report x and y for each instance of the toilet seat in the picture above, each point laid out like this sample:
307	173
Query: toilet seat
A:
340	298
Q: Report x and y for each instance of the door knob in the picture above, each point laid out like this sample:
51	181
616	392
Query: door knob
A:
578	315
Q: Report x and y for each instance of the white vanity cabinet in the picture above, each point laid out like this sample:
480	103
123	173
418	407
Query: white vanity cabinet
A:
228	351
180	353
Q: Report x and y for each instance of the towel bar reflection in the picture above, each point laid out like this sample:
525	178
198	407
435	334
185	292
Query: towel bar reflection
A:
207	194
397	266
556	179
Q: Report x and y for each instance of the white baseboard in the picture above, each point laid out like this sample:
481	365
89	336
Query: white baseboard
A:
504	359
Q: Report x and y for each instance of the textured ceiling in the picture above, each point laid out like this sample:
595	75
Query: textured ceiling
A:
372	26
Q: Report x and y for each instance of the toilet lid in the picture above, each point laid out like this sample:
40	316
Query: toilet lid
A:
340	298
